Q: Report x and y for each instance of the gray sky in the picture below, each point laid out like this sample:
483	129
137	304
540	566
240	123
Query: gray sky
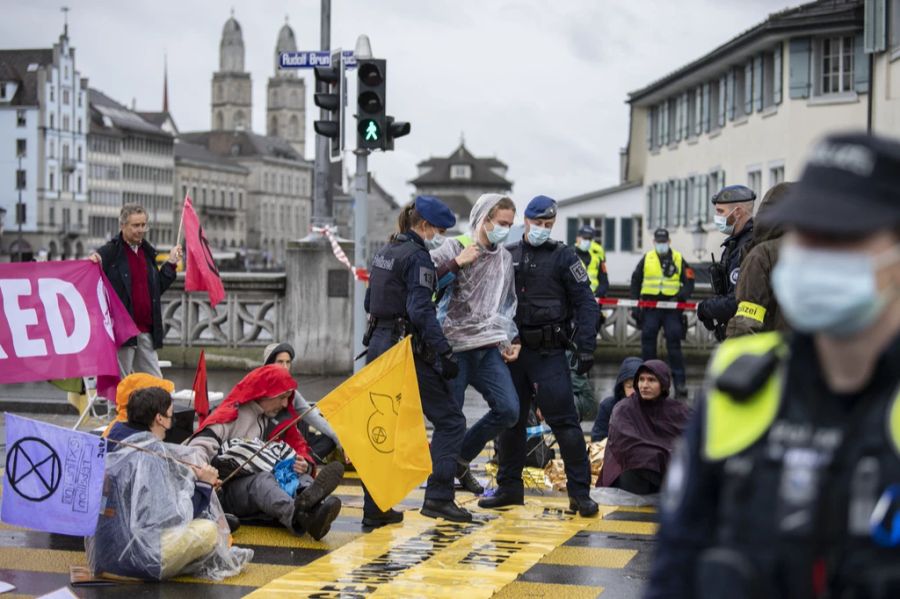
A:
540	84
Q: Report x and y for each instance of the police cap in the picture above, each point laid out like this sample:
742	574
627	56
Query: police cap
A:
849	186
541	207
734	194
661	235
586	232
435	212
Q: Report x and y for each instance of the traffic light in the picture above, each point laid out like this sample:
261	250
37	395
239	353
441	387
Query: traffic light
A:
394	130
330	94
371	125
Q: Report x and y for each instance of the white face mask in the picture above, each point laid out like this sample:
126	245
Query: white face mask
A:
721	221
584	245
498	234
435	242
538	235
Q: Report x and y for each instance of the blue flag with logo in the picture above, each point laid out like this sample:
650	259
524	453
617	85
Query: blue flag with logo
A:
53	479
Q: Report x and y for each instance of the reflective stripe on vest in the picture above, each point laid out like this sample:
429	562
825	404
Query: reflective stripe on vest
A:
893	422
654	281
593	269
732	426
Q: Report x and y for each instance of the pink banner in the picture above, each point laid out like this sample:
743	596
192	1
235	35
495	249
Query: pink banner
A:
59	320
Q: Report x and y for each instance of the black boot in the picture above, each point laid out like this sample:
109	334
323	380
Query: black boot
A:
446	509
317	522
326	481
502	498
377	519
585	506
467	480
233	521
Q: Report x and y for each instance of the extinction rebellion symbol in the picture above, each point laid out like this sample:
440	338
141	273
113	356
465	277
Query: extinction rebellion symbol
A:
33	469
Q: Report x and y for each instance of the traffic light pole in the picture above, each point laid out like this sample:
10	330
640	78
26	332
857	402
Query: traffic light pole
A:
360	250
322	191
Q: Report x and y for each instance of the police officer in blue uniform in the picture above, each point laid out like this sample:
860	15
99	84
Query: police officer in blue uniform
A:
787	484
399	302
734	217
556	312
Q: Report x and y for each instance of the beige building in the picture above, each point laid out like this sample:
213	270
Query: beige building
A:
746	113
218	190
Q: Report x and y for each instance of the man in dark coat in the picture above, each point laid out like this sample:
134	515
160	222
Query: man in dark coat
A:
129	262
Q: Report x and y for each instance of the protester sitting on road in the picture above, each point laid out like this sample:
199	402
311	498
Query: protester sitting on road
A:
624	387
248	414
323	440
161	518
642	432
125	388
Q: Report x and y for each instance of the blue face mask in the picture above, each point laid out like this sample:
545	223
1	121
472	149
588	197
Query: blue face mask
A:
537	235
435	242
498	234
662	248
584	245
831	292
721	222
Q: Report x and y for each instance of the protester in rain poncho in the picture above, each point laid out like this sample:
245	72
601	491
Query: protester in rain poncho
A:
476	313
159	520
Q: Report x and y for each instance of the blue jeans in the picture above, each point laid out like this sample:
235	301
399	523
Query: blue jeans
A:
486	371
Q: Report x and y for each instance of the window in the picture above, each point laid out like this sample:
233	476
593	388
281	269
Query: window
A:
691	114
740	89
754	181
79	184
66	97
65	122
65	182
52	122
628	233
609	234
674	114
20	148
52	95
80	216
768	80
52	216
714	105
20	179
79	100
460	171
79	125
20	118
836	65
79	153
776	175
52	181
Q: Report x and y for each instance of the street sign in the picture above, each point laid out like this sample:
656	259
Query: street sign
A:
310	59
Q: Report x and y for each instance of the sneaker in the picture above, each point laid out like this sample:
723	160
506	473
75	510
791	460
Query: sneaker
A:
326	481
467	480
318	522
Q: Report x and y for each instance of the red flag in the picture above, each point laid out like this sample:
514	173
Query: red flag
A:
201	391
202	274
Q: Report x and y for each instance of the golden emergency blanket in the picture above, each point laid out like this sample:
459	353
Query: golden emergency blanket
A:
556	473
377	415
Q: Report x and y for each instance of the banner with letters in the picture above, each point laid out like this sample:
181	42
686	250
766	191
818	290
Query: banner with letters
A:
59	320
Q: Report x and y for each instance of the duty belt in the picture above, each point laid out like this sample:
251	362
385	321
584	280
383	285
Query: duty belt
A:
545	338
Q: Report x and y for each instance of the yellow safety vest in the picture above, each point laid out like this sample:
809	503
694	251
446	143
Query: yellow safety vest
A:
654	281
598	255
733	425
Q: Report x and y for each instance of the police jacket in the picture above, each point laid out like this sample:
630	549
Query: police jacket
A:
401	285
757	308
114	261
594	261
771	493
669	269
552	288
723	307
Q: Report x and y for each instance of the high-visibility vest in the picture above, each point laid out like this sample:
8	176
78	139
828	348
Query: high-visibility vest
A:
464	240
654	281
598	255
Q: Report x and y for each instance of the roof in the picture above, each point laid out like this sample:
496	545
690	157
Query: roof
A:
459	205
188	152
14	67
378	189
243	144
593	195
482	175
806	17
111	114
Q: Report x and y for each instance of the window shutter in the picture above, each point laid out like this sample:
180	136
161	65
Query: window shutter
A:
800	51
860	66
729	91
677	128
685	105
664	124
627	243
758	82
651	209
609	234
571	230
650	127
706	107
721	115
777	74
875	20
748	87
698	110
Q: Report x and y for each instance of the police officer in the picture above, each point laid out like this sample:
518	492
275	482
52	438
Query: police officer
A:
556	310
734	217
786	485
663	275
399	302
594	259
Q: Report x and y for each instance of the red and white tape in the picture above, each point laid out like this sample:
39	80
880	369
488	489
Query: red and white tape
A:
361	274
630	303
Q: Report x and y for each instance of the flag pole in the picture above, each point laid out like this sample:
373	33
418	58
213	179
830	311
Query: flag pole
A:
181	223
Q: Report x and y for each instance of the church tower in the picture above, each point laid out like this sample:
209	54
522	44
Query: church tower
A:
286	98
232	92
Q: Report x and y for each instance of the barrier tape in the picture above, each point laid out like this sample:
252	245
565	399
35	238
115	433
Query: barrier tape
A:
629	303
361	274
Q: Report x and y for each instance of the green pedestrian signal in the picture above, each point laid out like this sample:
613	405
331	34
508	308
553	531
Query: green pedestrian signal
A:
372	131
369	130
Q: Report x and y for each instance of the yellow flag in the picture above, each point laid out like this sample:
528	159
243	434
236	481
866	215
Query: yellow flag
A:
377	415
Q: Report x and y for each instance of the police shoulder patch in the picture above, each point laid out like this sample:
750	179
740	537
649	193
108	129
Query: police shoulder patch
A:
578	271
734	275
426	277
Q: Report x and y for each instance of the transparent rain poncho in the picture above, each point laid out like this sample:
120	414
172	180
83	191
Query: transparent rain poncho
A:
146	527
478	307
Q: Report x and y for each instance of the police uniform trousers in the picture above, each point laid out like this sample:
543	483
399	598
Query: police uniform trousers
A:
545	377
443	413
670	322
